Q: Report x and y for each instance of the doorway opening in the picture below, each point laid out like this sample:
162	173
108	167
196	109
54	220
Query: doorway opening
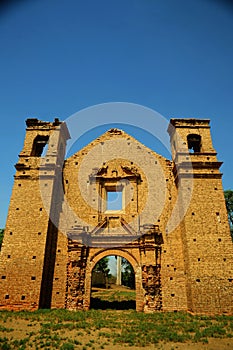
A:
113	284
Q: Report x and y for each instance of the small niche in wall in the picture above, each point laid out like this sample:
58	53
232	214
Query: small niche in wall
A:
7	296
33	278
3	277
218	217
198	280
23	297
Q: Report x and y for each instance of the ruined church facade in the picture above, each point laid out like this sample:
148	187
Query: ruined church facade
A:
171	223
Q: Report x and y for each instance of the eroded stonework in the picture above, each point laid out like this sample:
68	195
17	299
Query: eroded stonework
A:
171	224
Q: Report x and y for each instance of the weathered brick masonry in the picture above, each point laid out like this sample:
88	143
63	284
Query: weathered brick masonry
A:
172	226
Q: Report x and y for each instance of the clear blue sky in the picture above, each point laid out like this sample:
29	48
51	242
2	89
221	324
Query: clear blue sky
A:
58	57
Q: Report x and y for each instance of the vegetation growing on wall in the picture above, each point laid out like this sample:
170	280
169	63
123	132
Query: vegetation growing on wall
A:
1	236
229	204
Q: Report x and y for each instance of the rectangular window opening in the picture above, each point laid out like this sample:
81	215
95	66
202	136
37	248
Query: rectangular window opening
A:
114	200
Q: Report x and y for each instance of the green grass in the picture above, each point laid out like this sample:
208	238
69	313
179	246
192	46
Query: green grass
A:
63	329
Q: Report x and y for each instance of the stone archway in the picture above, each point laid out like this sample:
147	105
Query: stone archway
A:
97	256
144	255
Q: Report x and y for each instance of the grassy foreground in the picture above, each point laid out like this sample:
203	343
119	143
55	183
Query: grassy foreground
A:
107	329
94	329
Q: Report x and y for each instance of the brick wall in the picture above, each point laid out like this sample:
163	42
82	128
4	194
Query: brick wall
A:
172	226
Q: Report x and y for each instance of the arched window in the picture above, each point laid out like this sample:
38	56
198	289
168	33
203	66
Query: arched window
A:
39	143
194	143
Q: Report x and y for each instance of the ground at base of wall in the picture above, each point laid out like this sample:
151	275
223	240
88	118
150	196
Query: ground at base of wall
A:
214	344
113	330
22	338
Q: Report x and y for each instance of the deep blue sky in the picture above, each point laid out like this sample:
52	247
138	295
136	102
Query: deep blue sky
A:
57	57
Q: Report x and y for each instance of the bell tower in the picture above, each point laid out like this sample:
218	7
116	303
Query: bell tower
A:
205	230
29	246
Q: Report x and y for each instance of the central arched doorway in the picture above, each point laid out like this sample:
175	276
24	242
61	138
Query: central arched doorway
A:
113	284
135	294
